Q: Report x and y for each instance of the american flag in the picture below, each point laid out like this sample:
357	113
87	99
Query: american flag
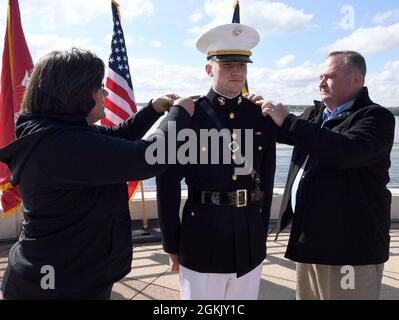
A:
120	102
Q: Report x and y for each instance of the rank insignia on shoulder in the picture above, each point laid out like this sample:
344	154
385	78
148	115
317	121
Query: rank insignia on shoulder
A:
196	98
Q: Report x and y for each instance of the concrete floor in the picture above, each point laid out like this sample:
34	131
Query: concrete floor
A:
150	278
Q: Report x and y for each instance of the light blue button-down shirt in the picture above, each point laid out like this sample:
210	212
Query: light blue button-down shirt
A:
327	115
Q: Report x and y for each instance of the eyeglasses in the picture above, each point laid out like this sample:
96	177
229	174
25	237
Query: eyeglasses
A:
103	90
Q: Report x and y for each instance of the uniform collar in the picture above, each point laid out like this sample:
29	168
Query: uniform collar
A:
221	101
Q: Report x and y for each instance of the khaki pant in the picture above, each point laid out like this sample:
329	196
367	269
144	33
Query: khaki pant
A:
325	282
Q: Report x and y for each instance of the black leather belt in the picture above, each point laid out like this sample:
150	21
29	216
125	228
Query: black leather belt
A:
238	198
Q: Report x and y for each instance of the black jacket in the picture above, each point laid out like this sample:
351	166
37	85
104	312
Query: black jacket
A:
72	179
342	214
211	238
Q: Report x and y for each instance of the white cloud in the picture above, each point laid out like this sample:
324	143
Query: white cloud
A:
307	72
285	61
108	38
296	85
75	12
383	85
128	39
259	74
196	17
382	17
369	40
299	84
190	43
152	78
135	8
156	44
40	45
266	17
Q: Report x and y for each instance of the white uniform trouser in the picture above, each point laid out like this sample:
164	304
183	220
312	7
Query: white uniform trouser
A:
219	286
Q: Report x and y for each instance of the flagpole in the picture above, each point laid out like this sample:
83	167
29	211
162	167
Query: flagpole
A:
119	83
144	210
236	19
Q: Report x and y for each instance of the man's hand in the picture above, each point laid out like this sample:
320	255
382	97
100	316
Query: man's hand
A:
164	103
173	262
273	109
187	104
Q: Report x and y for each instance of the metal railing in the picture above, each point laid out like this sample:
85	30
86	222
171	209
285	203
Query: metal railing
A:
284	153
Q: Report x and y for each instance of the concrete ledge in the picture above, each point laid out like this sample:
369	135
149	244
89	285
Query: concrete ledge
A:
10	227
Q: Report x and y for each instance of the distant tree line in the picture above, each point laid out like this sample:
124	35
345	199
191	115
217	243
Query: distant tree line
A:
301	108
395	111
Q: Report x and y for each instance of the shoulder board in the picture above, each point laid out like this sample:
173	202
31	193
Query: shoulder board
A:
198	99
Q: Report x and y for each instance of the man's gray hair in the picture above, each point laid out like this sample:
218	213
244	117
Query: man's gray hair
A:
354	61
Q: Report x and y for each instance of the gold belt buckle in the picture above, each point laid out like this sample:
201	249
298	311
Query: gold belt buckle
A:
241	198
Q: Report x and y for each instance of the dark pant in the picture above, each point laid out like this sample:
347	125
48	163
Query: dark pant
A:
104	294
15	288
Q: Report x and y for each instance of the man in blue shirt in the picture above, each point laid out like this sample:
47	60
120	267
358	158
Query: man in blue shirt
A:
336	195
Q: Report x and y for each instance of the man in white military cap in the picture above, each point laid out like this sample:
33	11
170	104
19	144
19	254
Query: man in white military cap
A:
220	243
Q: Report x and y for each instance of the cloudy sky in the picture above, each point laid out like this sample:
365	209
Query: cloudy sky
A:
160	34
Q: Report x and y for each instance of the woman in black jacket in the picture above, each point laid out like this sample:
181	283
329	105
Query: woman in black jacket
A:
76	238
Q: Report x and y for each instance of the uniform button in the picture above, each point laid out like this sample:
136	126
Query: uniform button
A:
203	149
232	115
260	148
234	136
192	213
234	178
234	157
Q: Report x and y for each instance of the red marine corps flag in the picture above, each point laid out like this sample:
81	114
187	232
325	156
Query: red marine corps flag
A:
120	103
16	67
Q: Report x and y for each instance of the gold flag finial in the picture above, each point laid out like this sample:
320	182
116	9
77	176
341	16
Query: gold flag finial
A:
117	8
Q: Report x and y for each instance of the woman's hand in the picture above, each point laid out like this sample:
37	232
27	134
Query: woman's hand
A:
252	97
164	103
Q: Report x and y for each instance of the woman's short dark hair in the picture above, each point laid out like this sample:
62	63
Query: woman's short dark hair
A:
62	82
